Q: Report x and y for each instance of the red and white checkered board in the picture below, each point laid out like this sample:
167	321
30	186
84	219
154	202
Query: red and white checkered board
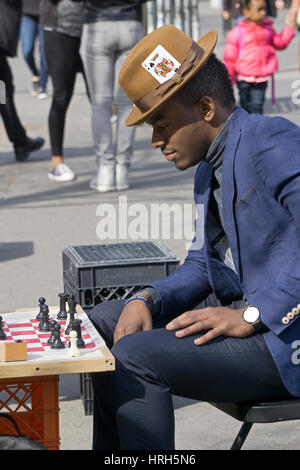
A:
36	340
24	326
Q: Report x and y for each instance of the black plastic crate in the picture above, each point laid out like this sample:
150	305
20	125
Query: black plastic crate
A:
95	273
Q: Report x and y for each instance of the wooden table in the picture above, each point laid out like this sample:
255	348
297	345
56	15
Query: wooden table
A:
29	388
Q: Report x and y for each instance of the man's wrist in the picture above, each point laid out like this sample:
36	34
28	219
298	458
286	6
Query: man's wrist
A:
143	296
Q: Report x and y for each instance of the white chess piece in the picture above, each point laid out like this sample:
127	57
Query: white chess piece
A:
73	350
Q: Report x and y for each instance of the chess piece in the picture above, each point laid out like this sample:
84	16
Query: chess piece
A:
71	314
2	333
73	350
62	314
76	326
57	342
44	324
42	301
52	336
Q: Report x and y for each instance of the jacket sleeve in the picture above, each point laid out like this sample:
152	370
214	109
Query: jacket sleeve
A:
186	287
231	53
277	163
282	40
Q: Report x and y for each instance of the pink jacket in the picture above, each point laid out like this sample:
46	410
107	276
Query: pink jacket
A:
250	48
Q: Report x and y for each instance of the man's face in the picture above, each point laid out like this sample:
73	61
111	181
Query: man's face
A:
181	133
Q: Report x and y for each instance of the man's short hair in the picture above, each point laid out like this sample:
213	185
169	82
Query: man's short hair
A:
211	80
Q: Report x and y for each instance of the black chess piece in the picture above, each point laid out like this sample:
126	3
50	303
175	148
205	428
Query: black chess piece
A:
2	333
52	337
44	324
57	342
42	301
76	325
72	310
62	314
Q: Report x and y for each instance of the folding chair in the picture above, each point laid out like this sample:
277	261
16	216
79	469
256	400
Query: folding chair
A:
259	412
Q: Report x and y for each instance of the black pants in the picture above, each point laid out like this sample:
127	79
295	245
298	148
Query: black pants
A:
64	61
14	129
133	404
252	96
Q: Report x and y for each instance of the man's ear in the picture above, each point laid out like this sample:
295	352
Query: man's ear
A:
207	108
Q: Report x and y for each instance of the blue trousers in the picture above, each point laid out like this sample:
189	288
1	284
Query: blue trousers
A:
133	404
29	30
252	96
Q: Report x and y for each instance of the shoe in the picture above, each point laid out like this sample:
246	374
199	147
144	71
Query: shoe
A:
34	86
122	177
42	94
32	145
61	173
104	180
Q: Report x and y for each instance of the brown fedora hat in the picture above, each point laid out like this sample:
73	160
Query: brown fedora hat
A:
159	65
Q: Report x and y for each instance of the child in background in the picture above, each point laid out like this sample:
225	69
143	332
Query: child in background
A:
250	53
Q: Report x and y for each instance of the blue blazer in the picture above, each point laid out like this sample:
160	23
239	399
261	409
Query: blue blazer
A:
261	209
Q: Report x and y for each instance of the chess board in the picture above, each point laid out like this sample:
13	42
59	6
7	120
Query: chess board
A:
41	358
27	330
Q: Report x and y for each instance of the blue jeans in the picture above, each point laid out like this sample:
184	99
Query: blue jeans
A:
29	30
133	407
104	47
252	96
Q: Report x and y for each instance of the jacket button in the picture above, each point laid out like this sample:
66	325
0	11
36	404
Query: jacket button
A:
290	316
285	320
296	310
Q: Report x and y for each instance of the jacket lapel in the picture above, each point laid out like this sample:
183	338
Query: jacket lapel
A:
228	182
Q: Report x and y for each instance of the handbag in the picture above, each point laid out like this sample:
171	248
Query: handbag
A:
18	442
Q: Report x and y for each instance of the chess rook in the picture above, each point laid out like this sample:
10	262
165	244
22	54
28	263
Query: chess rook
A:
76	326
62	314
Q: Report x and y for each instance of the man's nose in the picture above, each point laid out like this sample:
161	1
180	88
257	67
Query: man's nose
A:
157	140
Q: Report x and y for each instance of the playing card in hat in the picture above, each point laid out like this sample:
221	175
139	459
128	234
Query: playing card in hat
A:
161	64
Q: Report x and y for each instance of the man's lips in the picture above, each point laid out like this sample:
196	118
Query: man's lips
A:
169	155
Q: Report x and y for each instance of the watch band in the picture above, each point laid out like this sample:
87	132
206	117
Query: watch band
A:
259	326
139	297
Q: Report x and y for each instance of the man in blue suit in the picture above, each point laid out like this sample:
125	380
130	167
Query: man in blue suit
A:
248	180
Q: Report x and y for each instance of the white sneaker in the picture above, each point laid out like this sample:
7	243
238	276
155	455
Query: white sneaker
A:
61	173
104	180
42	94
122	177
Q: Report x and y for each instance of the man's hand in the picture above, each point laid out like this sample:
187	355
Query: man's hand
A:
217	320
135	316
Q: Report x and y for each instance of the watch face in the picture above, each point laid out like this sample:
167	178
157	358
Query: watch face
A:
251	314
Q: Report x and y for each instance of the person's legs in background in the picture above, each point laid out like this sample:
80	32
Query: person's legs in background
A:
130	32
42	92
16	133
257	97
97	51
62	55
104	48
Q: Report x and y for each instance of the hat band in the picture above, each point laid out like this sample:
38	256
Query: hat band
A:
153	97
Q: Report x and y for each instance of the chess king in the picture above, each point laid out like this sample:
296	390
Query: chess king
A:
248	180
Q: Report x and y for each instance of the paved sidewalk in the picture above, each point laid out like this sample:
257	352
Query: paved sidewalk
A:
38	218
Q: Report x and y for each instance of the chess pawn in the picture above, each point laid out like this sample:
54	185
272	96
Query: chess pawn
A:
57	342
44	324
2	333
62	314
73	350
42	301
52	337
